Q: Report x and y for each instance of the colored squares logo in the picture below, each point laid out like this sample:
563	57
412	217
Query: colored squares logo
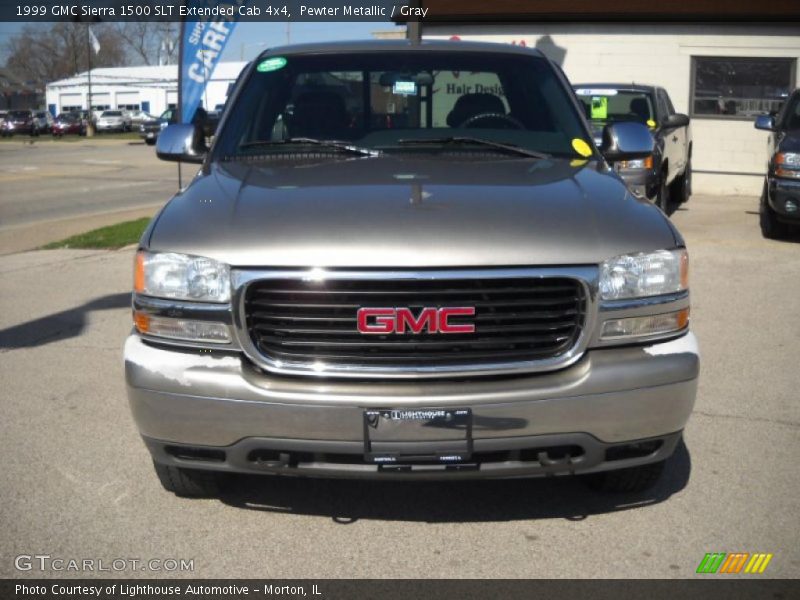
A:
734	562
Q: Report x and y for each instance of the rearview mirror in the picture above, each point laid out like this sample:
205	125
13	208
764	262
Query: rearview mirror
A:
765	122
626	141
181	143
677	120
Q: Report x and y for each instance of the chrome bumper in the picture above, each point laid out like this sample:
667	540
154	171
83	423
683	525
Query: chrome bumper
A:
197	397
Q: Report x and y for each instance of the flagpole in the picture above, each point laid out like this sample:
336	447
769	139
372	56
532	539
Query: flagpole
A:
90	124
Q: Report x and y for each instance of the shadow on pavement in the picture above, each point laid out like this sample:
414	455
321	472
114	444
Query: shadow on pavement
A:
348	501
58	326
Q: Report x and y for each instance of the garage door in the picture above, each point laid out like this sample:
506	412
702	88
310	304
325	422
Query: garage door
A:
101	101
128	100
69	102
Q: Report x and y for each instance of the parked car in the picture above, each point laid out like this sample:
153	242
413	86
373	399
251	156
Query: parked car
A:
780	198
149	129
113	120
665	178
138	117
476	294
43	121
68	123
19	122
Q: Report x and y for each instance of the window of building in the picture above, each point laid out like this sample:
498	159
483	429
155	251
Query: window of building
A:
128	106
740	87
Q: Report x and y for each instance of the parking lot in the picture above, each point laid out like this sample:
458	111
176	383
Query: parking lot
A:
78	483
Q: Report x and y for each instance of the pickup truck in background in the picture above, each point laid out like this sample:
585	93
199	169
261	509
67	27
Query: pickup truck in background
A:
664	178
150	129
779	208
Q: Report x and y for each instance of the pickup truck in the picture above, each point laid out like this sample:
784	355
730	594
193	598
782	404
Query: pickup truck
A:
150	129
779	209
666	176
409	261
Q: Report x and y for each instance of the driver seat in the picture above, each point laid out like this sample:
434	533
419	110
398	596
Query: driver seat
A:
469	105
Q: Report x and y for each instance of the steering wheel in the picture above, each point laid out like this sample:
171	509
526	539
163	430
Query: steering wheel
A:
508	119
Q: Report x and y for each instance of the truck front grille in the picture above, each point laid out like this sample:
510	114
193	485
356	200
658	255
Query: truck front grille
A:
293	321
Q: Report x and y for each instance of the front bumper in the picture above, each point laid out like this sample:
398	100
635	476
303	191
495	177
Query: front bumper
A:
614	408
643	183
784	194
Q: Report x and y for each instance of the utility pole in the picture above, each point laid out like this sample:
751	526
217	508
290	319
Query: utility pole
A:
90	124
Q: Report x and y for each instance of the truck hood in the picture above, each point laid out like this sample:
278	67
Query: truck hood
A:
393	211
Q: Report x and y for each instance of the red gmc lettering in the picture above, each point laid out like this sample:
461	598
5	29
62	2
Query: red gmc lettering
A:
403	320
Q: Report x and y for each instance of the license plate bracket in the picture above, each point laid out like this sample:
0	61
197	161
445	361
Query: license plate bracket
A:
418	435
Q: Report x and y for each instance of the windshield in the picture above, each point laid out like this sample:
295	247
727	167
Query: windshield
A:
606	105
111	113
19	114
390	100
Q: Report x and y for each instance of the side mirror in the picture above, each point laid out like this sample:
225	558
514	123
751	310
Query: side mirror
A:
765	122
181	143
626	141
677	120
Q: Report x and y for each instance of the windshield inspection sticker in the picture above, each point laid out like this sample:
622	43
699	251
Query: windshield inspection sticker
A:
271	64
581	147
404	88
599	107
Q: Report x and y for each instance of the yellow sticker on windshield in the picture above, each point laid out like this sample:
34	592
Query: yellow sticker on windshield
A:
651	123
582	147
578	162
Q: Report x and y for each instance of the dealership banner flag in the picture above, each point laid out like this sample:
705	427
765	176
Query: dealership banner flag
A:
202	44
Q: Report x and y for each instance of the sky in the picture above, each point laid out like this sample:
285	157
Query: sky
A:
249	39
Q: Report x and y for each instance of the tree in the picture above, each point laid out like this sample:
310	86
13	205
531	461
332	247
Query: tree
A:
44	54
149	43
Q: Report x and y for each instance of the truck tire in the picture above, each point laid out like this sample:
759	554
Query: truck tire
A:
682	187
630	480
771	228
150	142
663	200
189	483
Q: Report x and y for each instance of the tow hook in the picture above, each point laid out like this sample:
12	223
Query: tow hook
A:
544	459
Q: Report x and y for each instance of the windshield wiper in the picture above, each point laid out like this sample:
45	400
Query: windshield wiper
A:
337	145
477	141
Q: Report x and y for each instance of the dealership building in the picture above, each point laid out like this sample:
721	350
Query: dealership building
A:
152	89
721	74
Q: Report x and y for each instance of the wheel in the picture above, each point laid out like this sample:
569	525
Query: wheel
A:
150	142
682	186
190	483
663	197
771	228
630	480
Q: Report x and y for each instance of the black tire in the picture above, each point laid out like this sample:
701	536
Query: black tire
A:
771	228
663	200
682	186
150	142
189	483
627	481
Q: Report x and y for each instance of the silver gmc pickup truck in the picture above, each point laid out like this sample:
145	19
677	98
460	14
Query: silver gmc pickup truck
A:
409	261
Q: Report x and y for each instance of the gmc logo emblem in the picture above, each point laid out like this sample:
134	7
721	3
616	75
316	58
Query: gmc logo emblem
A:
402	320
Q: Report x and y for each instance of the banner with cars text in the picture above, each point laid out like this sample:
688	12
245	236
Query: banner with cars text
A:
202	44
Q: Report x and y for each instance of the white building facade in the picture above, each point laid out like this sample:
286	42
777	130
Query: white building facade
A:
721	75
151	89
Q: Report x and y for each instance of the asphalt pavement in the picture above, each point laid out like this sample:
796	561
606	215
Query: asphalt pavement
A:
50	190
77	482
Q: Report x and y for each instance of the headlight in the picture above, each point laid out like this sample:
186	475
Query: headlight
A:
182	277
644	274
639	163
787	164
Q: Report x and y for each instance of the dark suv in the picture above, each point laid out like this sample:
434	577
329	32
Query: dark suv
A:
665	178
19	121
780	198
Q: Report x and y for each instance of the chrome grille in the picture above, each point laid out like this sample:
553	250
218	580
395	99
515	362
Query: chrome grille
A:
311	322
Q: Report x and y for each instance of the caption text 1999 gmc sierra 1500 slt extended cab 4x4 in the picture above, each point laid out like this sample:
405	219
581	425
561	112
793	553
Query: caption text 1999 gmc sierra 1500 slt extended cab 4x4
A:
409	261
